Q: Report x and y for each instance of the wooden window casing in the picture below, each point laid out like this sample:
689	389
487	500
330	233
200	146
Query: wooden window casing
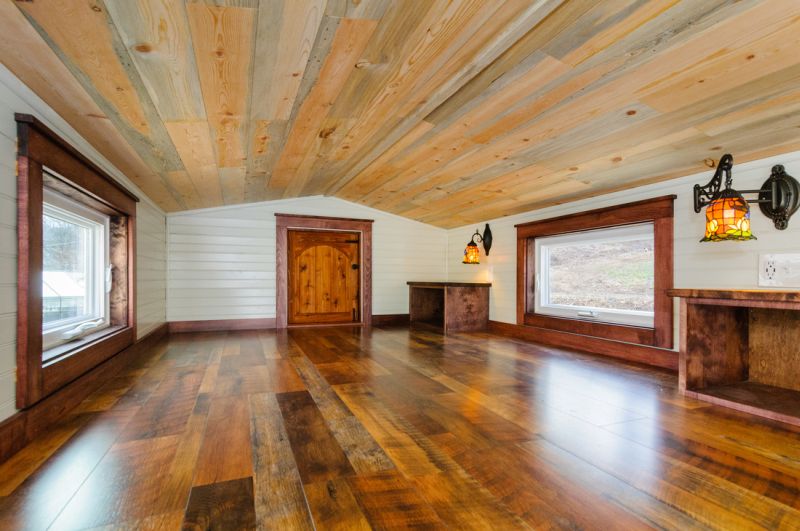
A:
73	175
659	211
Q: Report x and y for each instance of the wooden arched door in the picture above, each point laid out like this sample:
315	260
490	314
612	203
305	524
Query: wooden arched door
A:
324	272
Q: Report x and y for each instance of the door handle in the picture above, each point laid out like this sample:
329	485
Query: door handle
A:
354	266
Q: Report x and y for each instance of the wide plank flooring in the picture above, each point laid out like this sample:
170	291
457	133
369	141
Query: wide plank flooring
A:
349	428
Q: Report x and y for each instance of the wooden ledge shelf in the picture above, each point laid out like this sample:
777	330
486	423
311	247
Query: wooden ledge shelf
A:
450	306
442	285
741	349
764	400
753	295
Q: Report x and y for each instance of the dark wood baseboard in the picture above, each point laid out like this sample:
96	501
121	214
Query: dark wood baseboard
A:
221	325
394	319
656	357
19	429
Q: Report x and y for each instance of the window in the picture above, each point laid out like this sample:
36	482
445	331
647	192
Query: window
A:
75	264
604	275
75	270
601	276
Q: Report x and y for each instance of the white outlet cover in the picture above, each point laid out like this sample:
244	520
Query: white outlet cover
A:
779	270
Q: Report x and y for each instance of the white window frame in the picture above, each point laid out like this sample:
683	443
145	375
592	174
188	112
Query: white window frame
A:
604	315
64	330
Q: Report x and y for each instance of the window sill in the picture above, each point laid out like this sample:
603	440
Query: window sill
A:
59	352
66	362
617	332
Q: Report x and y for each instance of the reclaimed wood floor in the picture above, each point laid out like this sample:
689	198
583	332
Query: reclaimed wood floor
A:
392	428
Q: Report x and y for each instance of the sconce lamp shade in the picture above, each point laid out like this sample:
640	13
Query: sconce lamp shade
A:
728	218
472	254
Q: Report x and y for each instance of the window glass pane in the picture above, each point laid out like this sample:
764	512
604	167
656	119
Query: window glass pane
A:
66	283
613	274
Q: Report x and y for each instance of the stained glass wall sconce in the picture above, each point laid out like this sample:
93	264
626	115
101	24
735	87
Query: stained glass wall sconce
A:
472	255
727	210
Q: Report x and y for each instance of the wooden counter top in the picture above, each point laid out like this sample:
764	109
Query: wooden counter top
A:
737	295
449	284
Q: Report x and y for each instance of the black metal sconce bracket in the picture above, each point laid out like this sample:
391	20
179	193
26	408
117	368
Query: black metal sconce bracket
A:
778	198
703	195
485	238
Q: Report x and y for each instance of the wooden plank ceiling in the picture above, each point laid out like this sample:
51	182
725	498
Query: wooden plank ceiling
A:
448	112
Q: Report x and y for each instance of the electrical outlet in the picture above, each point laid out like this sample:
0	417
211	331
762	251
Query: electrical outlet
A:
768	269
779	270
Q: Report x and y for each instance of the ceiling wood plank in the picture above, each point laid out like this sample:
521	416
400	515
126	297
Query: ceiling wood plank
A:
286	33
156	33
445	112
233	185
158	38
222	40
536	71
559	118
31	59
180	180
192	139
348	43
88	43
93	51
520	24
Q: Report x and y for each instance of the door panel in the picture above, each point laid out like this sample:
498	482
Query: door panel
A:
324	275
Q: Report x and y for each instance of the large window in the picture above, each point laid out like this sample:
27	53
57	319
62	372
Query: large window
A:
604	275
599	274
76	270
75	264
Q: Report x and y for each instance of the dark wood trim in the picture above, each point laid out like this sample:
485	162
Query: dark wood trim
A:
737	295
664	310
284	222
69	172
301	217
523	268
35	123
616	332
219	325
66	369
21	428
324	325
449	284
659	211
624	214
394	319
652	356
29	286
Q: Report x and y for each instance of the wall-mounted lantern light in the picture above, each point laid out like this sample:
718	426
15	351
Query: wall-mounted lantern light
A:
728	212
472	254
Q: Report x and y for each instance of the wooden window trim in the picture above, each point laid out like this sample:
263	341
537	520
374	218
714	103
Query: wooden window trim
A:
37	148
658	210
284	222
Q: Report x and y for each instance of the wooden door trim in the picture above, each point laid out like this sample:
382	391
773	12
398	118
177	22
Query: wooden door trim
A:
284	222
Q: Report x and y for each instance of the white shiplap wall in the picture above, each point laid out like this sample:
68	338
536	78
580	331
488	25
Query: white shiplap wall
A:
732	265
222	260
151	246
151	268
